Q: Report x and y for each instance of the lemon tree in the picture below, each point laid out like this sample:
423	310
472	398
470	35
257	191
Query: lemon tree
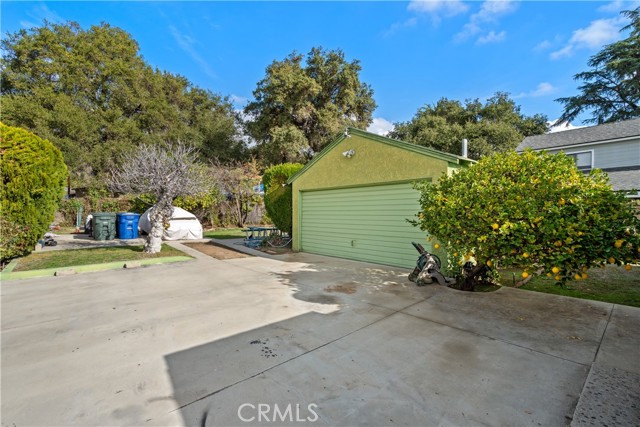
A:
531	210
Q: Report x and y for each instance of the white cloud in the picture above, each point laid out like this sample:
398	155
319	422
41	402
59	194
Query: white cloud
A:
434	9
187	44
28	24
39	13
411	22
488	14
543	45
549	44
237	100
597	33
438	8
380	126
618	5
492	37
594	36
543	89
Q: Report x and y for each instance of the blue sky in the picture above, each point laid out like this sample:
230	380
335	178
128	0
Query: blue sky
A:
412	53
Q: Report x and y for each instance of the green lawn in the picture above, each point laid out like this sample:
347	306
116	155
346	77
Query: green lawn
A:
224	233
77	257
611	284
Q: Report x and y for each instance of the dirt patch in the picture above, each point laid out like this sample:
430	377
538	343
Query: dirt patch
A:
344	288
217	251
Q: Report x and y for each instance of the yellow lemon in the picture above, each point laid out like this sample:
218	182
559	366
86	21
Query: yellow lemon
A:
489	263
525	274
495	226
584	275
611	260
436	246
628	267
525	255
558	243
618	243
557	278
555	270
577	276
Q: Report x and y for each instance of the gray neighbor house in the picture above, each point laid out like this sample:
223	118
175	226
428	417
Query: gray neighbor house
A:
612	147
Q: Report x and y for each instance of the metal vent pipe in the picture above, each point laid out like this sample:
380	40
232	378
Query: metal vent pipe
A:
465	148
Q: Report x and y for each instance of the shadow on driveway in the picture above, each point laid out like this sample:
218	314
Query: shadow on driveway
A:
396	354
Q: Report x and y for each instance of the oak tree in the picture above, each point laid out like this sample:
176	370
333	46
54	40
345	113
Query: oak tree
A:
91	93
300	105
495	126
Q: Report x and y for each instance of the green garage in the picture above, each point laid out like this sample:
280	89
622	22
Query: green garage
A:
354	198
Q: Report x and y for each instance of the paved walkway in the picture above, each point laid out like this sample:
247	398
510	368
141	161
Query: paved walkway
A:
329	341
85	241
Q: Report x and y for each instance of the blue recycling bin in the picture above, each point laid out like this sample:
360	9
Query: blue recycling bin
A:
127	225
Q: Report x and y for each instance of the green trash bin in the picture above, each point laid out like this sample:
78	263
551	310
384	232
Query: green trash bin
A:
104	226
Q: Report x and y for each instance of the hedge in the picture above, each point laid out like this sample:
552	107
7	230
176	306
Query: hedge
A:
33	177
279	174
277	198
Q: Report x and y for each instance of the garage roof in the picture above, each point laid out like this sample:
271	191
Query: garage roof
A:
418	149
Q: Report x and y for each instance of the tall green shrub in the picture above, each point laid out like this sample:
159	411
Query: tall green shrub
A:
279	174
33	177
277	198
14	239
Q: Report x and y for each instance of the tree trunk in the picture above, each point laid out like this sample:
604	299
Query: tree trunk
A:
159	215
241	220
470	278
525	281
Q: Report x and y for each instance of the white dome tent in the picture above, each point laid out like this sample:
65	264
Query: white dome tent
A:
183	225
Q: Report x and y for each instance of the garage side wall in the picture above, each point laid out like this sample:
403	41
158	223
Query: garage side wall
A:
374	163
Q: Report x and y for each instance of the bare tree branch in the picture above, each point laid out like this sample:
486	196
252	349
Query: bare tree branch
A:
166	172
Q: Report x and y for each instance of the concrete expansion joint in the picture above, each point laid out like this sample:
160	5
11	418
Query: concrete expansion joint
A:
496	339
604	332
590	408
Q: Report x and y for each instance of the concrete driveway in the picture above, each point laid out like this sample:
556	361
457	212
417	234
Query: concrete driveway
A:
308	340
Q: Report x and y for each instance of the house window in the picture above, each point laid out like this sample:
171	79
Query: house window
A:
583	160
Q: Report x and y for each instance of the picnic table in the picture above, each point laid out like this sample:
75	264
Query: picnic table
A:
256	235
